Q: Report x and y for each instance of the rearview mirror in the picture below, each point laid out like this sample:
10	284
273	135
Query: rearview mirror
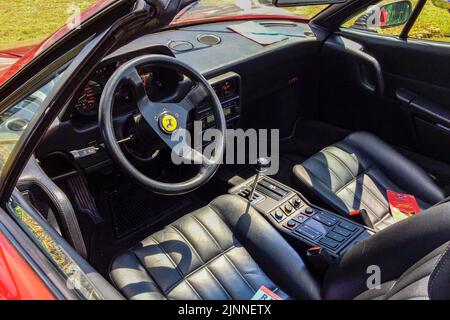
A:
297	3
386	16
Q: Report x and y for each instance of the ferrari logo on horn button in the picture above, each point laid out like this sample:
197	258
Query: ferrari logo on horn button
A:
168	123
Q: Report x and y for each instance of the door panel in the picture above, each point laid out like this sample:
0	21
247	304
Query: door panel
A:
421	69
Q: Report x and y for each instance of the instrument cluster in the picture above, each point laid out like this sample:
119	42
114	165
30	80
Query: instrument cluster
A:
158	83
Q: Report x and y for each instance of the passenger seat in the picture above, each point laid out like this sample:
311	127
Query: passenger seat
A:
356	173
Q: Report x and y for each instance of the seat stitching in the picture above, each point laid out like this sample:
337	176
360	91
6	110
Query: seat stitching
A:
340	161
239	273
209	234
146	272
374	196
328	169
316	176
417	266
176	267
345	186
372	192
434	275
187	242
215	210
219	283
202	266
405	287
365	188
325	185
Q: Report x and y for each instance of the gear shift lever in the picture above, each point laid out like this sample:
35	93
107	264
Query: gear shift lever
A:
262	164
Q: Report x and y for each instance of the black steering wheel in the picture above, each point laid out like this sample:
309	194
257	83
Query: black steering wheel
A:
166	119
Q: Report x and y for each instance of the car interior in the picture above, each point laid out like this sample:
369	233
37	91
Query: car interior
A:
358	114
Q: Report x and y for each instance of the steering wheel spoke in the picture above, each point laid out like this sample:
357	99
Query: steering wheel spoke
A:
138	88
195	97
192	156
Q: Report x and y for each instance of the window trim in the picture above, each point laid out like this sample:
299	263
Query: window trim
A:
412	20
404	34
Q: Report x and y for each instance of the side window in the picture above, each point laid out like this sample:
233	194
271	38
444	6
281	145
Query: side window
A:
433	22
14	120
387	17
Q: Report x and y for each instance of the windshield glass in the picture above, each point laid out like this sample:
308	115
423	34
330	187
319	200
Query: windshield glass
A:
14	120
28	22
210	9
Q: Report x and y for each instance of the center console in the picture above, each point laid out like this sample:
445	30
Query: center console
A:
228	90
293	215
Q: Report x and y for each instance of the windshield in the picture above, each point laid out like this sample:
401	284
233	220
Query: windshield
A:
210	9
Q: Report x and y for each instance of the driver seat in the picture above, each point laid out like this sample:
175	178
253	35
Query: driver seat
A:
227	250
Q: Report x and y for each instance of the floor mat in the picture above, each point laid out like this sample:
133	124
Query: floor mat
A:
133	209
133	215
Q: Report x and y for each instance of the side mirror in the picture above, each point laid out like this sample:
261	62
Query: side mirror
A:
386	16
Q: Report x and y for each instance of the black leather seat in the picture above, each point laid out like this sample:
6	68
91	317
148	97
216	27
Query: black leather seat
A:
227	251
356	173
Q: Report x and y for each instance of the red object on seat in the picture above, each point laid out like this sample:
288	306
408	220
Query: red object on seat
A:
405	203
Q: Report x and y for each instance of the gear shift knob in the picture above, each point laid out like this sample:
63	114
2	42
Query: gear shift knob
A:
262	164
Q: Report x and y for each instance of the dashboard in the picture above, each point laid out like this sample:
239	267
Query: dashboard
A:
241	71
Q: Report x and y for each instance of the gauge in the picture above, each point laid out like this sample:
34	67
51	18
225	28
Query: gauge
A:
89	99
228	88
147	79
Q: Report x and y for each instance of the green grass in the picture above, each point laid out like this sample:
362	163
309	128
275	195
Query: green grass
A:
24	22
433	23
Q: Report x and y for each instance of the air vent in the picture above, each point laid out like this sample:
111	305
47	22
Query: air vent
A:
209	39
180	46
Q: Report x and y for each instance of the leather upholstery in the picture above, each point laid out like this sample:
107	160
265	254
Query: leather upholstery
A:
355	174
413	257
411	285
225	250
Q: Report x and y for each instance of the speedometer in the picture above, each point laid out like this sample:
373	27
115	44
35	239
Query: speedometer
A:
88	102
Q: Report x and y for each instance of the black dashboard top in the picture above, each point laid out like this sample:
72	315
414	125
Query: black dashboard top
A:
232	48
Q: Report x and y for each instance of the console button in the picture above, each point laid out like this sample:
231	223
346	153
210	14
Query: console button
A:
329	243
349	226
301	218
291	224
296	202
309	211
308	232
326	219
335	236
342	231
288	209
278	215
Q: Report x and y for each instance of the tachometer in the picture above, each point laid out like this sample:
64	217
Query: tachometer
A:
90	97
